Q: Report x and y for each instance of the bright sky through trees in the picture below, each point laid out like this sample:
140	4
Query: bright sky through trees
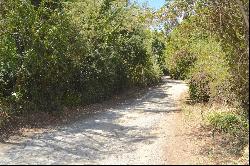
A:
152	3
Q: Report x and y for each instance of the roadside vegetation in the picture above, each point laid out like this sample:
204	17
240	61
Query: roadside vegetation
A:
59	54
56	54
209	49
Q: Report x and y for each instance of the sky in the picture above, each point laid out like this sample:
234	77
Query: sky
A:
152	3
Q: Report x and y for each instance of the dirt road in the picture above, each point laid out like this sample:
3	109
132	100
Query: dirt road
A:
135	131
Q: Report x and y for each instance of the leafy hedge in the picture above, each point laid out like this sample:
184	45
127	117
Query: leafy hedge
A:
231	123
225	23
200	59
59	53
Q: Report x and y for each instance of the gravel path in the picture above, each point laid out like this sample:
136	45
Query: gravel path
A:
127	133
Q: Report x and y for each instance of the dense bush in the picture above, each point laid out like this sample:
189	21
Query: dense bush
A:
158	47
229	21
117	45
226	22
58	53
179	57
36	67
199	89
210	74
181	63
200	59
229	122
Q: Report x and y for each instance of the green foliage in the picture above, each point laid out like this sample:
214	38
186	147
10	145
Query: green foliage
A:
199	58
180	64
198	52
35	55
229	122
117	51
199	87
178	55
224	21
65	53
158	47
228	20
210	74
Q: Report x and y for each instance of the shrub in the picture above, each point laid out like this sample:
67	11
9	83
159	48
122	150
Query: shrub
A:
55	54
179	57
37	47
182	63
229	122
210	75
200	59
158	47
199	89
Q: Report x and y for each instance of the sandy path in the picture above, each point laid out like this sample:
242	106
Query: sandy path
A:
132	132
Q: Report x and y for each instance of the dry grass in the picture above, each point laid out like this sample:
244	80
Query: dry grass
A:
36	121
213	147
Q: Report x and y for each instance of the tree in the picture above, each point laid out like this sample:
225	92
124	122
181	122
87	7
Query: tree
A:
228	22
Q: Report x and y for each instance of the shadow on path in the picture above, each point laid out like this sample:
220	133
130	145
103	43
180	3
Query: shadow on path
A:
94	138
